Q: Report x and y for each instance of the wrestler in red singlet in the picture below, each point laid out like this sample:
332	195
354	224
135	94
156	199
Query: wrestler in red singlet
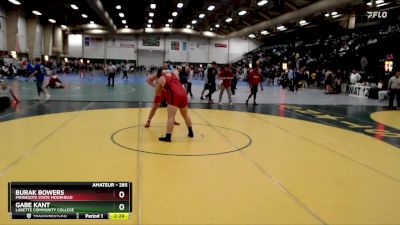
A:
176	99
157	98
176	93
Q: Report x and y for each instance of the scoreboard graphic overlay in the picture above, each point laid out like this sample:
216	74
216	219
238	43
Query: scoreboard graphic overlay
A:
70	200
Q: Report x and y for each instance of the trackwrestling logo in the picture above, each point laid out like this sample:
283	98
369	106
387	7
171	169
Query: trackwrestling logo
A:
379	15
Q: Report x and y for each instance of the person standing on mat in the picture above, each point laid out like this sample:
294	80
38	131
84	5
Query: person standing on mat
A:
394	89
235	80
176	99
157	98
212	72
205	77
125	69
183	76
39	73
90	69
189	72
82	70
112	69
254	80
226	76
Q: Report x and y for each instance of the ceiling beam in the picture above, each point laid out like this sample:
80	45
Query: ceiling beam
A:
290	5
98	8
230	27
290	16
245	22
264	16
223	32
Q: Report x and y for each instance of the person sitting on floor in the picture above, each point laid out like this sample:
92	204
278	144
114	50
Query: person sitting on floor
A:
54	82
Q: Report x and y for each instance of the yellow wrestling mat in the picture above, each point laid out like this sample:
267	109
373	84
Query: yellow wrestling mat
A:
241	168
388	118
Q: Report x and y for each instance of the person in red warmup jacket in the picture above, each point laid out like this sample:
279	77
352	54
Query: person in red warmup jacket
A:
254	80
226	76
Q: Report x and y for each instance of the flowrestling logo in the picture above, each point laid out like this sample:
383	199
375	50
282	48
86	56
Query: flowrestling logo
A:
375	14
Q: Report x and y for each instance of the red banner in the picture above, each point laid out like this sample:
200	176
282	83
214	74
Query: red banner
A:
221	45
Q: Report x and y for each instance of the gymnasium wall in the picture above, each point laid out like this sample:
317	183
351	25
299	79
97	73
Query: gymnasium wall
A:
219	50
155	48
94	47
121	48
176	48
21	36
198	49
38	48
18	31
75	45
240	46
3	34
13	31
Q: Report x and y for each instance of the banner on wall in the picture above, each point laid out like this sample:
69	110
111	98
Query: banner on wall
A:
221	45
93	41
119	43
151	41
175	45
113	42
194	46
127	44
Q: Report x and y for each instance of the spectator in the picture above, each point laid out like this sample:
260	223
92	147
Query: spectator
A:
382	91
189	72
205	77
183	76
355	77
212	72
254	79
290	76
394	89
226	76
328	82
234	80
364	63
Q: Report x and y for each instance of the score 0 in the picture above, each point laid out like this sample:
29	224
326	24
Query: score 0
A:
121	195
